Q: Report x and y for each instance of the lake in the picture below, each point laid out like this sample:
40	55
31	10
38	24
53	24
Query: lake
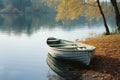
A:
23	49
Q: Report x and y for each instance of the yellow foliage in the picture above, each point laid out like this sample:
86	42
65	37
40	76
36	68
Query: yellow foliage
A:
92	12
72	9
69	9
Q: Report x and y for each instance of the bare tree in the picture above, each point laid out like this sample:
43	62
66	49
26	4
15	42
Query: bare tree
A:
117	13
104	19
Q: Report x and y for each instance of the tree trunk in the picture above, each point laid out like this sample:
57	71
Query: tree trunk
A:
104	19
117	13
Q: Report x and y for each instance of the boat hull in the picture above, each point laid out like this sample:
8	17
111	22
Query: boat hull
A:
83	57
75	53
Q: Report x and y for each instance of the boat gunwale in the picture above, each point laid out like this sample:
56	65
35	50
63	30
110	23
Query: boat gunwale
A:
69	50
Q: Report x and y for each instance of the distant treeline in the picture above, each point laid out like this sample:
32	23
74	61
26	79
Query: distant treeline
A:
21	6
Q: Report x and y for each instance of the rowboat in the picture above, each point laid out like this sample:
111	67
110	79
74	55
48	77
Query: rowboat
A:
64	49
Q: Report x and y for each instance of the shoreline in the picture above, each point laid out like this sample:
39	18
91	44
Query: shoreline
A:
105	64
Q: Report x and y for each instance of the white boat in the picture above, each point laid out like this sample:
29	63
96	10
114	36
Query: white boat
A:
69	50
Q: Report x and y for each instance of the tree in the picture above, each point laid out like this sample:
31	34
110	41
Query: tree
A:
104	19
117	13
51	3
69	9
72	9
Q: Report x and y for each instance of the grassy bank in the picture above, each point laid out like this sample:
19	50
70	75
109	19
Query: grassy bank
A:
105	64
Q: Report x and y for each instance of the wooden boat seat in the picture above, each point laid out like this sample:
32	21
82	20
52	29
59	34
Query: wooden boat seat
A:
68	46
60	45
73	47
54	41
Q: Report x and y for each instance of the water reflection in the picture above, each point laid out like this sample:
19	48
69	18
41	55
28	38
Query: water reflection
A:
65	69
30	23
27	23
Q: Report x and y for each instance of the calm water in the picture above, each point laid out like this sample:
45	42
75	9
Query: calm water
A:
23	49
